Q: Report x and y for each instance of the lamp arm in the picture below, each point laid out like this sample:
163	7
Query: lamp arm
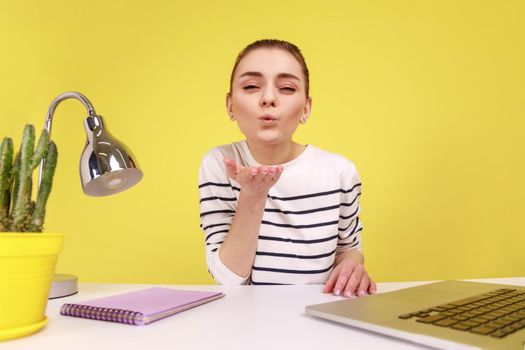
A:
51	111
62	97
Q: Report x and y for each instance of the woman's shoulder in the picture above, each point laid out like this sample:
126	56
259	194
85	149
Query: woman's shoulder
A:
237	151
332	160
212	167
219	152
336	166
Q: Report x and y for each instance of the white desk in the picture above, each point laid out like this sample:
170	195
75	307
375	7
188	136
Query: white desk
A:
248	317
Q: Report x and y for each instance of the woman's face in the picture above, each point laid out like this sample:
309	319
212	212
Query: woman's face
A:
268	97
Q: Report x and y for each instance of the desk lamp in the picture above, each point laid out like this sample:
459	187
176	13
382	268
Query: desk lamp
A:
106	167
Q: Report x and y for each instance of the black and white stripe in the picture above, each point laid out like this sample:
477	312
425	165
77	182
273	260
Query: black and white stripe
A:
311	215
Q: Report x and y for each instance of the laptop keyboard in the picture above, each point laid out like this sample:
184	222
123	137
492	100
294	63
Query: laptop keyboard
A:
497	313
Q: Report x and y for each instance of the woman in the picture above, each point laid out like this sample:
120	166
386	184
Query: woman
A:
274	211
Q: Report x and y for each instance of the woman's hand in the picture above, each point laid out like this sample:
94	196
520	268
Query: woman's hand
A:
255	181
240	245
349	277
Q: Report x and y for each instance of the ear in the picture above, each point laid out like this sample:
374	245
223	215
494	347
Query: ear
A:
307	110
229	107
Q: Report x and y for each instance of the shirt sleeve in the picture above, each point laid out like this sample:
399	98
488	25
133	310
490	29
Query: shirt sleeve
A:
350	226
218	202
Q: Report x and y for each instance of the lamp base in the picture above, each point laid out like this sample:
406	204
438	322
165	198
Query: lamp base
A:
63	286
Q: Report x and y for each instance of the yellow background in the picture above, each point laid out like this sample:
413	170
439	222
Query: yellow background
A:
426	97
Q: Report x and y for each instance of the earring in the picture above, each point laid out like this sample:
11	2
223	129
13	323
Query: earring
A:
232	118
303	120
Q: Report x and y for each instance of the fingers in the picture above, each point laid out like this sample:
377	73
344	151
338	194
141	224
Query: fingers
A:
272	174
277	174
351	287
372	288
362	290
350	281
229	161
360	286
266	174
346	275
231	167
253	180
330	283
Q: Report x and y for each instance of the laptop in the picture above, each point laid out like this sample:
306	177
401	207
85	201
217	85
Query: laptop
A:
443	315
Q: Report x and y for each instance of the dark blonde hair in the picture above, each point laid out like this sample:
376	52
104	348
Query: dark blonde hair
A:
275	44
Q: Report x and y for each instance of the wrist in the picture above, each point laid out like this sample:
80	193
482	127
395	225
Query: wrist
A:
251	203
354	255
253	198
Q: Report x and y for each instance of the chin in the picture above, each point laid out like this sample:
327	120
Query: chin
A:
268	137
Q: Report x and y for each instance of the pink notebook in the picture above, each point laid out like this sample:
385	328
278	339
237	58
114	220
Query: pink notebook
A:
140	307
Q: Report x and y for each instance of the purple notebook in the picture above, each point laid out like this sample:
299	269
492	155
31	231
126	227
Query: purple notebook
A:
140	307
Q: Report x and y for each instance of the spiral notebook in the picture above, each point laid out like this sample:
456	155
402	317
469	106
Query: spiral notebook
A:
139	307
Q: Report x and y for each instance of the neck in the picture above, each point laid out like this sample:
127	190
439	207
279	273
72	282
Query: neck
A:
276	153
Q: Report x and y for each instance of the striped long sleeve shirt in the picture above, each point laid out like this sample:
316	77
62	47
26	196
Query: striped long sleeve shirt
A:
310	216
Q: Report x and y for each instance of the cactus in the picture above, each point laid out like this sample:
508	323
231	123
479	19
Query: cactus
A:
40	150
6	158
22	201
18	213
38	214
15	171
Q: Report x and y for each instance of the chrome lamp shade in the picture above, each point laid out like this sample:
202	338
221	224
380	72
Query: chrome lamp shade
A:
107	166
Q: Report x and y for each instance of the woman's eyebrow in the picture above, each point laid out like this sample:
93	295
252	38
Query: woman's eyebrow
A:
251	74
260	75
287	75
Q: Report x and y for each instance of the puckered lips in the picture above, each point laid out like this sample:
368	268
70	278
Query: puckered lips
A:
268	118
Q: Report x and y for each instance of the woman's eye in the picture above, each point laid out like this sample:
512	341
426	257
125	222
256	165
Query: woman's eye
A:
250	87
288	89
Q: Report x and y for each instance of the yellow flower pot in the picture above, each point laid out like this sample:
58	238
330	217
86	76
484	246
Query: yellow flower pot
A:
27	265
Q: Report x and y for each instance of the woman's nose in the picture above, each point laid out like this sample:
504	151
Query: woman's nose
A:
268	98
